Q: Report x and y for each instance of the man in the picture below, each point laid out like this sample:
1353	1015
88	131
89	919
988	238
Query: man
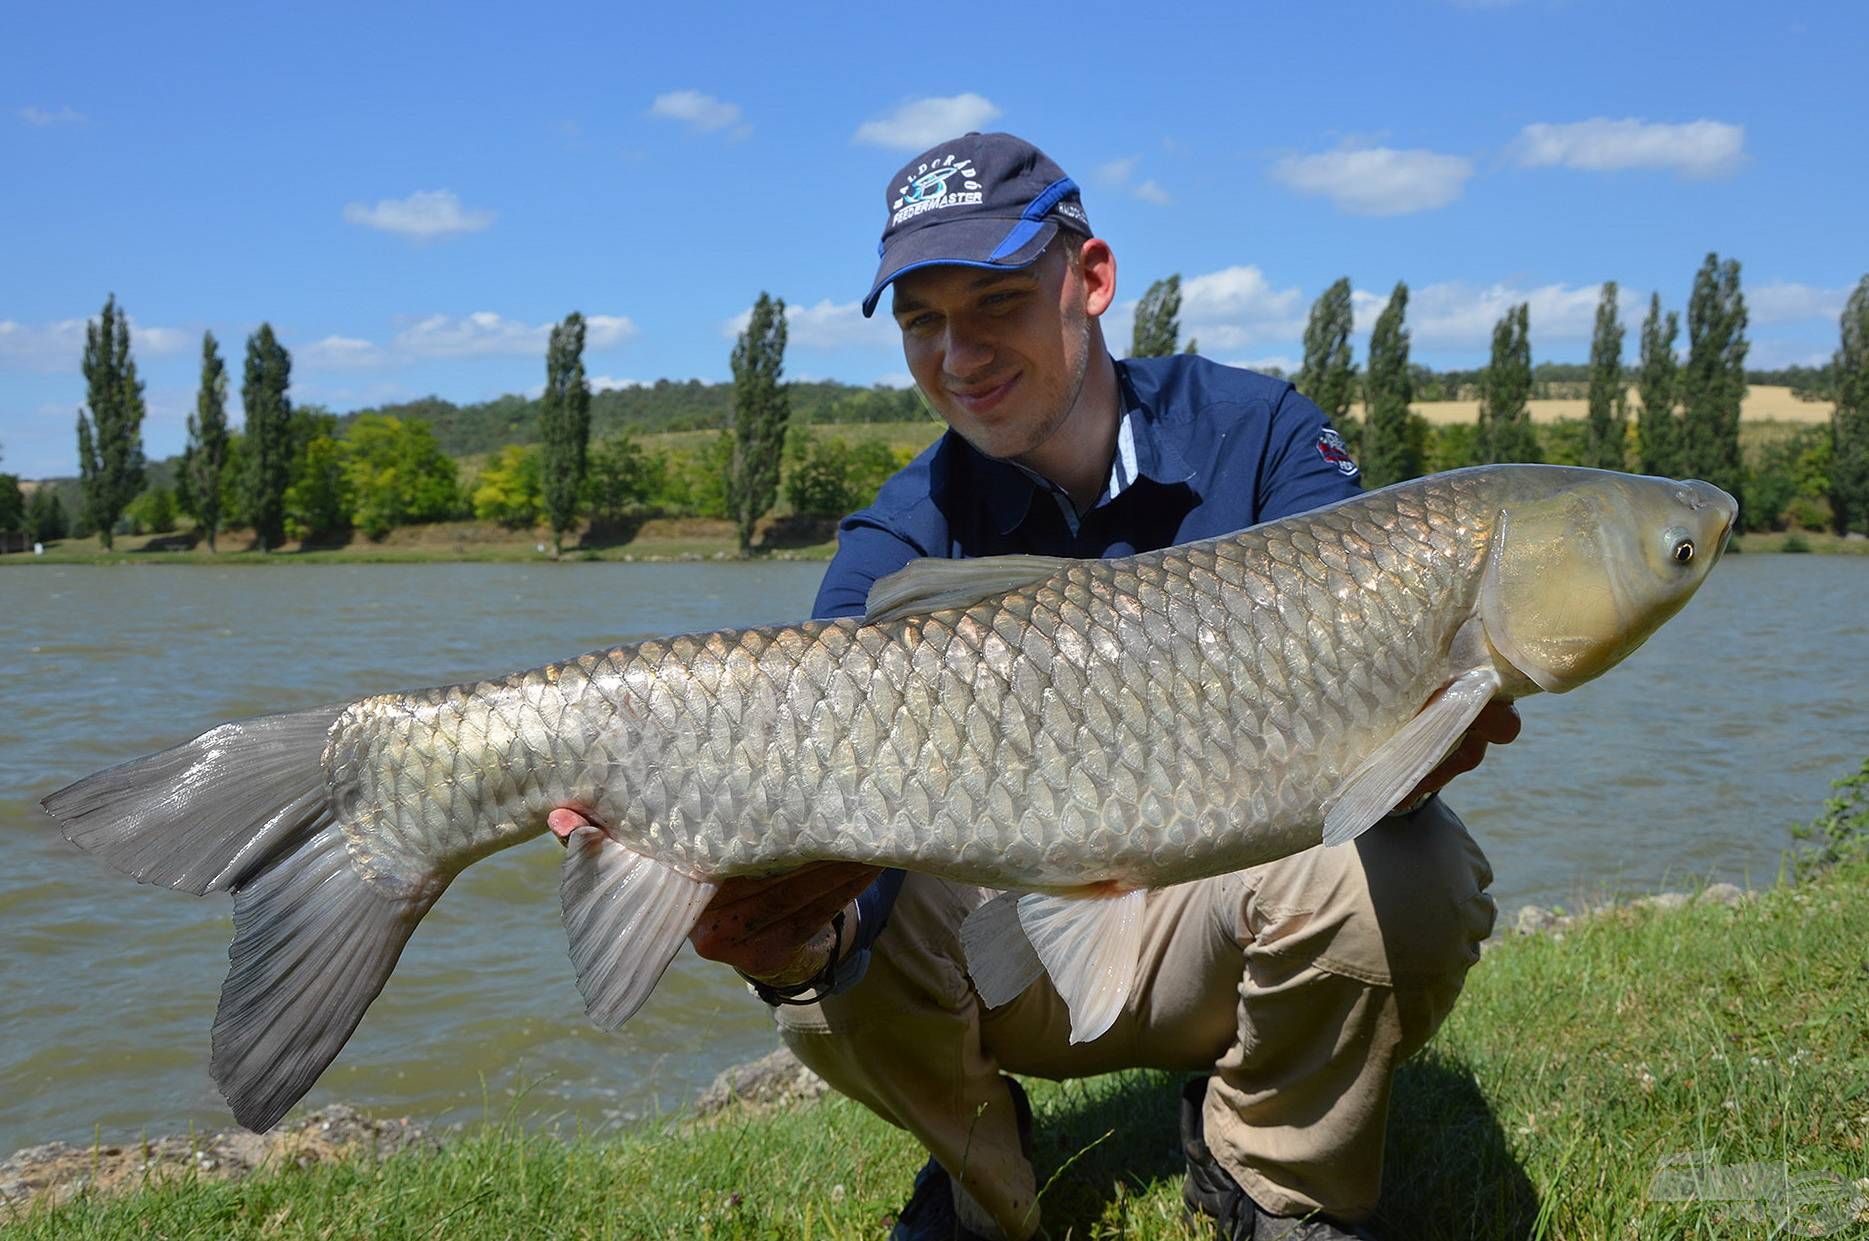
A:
1298	985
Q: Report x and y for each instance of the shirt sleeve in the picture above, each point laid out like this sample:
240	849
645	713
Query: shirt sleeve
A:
866	551
1306	464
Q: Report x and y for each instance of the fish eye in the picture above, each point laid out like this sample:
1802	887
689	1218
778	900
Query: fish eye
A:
1682	551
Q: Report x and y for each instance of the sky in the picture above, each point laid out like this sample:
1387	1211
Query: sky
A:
412	194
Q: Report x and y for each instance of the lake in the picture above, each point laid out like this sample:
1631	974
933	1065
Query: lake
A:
1690	763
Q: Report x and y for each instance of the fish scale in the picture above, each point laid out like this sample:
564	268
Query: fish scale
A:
1074	732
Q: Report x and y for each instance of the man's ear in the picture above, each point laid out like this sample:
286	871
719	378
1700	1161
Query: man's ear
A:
1099	269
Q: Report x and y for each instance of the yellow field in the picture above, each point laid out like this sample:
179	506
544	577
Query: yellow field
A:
1762	404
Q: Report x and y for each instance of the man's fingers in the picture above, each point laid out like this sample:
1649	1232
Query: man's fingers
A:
1498	723
563	822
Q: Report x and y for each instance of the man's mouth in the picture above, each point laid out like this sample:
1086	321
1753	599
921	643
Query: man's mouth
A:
979	400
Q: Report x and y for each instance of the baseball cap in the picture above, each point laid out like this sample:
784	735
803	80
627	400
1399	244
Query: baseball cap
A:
980	200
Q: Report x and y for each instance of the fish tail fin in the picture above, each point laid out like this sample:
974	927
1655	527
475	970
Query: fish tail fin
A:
248	807
203	815
314	942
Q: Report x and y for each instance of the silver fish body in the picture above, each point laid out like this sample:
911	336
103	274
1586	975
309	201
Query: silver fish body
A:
1072	728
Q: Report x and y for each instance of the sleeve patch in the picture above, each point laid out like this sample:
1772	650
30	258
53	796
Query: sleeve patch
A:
1331	447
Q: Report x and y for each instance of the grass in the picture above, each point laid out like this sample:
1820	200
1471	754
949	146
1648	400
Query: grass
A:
1572	1068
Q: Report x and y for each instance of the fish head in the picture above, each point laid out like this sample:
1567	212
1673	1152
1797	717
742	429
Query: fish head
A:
1585	564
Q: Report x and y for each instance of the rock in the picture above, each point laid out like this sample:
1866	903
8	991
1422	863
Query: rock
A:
1663	901
1723	894
1533	919
770	1081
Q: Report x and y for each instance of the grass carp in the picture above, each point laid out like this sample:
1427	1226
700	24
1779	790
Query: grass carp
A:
1071	731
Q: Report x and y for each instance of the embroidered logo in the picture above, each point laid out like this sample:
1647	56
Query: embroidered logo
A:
928	189
1331	447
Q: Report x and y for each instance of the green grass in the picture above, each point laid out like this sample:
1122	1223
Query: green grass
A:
1572	1067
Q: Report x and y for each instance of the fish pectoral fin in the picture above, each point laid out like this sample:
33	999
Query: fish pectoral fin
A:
1090	943
626	915
1000	959
1398	765
935	583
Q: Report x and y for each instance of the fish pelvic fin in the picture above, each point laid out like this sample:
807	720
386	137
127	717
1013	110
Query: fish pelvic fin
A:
627	916
204	815
1398	764
1090	943
314	942
935	583
1000	959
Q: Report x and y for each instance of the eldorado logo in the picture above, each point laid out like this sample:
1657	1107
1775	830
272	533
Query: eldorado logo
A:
928	190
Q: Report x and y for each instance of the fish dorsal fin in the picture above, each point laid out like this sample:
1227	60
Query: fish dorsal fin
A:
1090	943
1000	959
932	584
627	915
1398	765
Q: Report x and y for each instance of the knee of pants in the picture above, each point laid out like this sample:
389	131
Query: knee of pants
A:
1405	903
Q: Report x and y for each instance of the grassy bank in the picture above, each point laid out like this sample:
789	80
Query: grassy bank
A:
1572	1068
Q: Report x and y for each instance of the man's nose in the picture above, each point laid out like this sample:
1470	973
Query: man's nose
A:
968	351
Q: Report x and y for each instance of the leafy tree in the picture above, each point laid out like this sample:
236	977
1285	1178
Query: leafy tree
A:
623	479
268	435
397	475
1158	320
761	409
1658	384
1328	376
110	441
153	512
1193	347
1713	383
12	505
45	516
565	427
509	490
696	482
318	503
1392	450
1505	424
1849	425
205	458
1608	419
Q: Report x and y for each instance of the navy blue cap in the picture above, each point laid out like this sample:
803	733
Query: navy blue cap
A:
981	200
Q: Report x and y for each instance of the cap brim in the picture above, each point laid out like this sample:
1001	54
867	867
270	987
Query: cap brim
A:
993	243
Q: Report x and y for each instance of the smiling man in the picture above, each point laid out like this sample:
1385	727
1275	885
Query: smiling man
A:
1295	987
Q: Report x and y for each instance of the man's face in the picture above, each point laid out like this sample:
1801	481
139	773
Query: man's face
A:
1002	355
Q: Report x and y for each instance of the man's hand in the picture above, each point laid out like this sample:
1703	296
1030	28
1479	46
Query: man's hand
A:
1496	724
776	928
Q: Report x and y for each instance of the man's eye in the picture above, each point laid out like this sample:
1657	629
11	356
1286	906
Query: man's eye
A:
918	323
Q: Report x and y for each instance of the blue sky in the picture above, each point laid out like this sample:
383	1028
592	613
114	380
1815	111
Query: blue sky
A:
410	194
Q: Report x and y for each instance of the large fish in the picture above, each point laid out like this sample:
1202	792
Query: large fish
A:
1072	731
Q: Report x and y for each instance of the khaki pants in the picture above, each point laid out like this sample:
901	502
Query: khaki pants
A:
1300	985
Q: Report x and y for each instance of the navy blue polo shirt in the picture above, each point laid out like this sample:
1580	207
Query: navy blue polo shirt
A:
1202	450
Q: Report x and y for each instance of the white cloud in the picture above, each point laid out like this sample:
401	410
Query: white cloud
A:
1150	191
1377	180
1277	362
1115	174
1781	302
341	353
1230	309
34	115
895	379
827	325
609	383
921	123
1700	148
1456	315
59	346
702	111
482	334
422	216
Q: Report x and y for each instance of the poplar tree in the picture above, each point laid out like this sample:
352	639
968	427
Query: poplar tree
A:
1328	376
565	427
206	455
1849	424
1505	428
1607	427
268	435
1390	453
1158	324
1658	385
1713	383
761	409
110	440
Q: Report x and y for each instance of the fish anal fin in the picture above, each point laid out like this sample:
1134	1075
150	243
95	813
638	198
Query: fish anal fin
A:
1090	942
935	583
1400	763
626	915
1000	959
